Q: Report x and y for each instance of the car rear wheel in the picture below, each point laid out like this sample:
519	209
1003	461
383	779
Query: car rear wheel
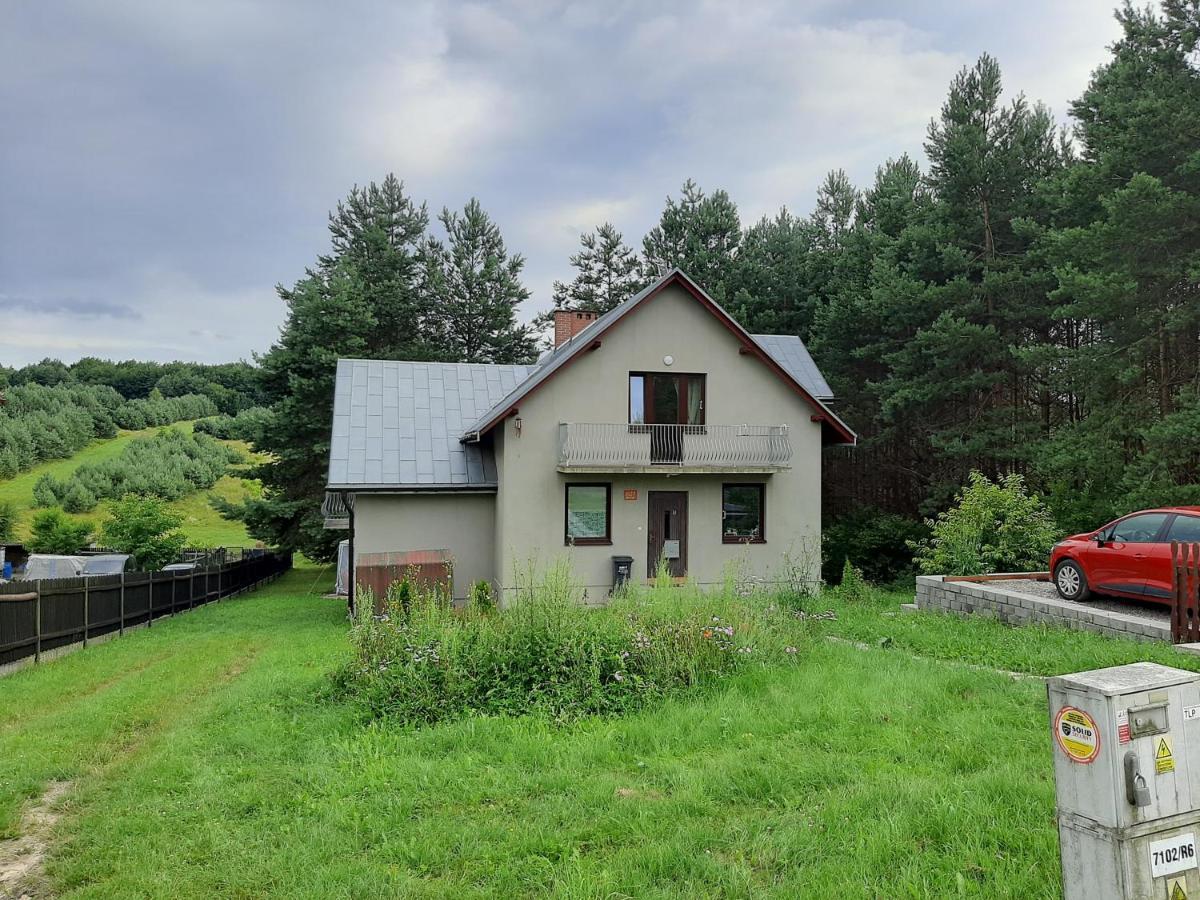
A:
1071	582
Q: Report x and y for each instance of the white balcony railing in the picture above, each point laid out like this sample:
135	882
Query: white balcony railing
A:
592	445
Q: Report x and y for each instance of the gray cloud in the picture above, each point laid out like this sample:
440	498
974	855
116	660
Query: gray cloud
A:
67	306
176	160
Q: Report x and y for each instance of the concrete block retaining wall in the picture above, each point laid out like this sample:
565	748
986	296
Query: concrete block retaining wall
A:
1015	608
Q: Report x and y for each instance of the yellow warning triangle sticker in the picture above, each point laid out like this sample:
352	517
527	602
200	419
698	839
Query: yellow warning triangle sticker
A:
1177	891
1164	752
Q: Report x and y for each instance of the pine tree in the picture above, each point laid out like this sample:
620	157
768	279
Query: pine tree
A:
699	234
477	288
609	273
364	299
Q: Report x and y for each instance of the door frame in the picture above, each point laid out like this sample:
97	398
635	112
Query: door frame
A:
651	551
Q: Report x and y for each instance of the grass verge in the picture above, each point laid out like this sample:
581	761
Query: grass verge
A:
206	759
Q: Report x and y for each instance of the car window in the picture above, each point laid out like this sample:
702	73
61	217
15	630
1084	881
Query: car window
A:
1141	529
1184	528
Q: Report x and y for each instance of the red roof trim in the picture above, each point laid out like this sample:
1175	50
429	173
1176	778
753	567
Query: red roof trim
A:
748	347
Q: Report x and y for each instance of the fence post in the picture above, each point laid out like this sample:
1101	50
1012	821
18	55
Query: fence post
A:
86	610
37	624
121	626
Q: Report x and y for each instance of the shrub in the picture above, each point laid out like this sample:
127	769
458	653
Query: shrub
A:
45	491
53	532
247	425
875	541
546	654
170	464
145	529
853	586
993	527
8	521
482	600
76	498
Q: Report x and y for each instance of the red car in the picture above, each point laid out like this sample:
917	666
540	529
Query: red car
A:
1130	557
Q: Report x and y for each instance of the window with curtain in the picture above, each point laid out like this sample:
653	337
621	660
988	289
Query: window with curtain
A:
665	398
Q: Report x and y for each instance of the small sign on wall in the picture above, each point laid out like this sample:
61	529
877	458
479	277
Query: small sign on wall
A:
630	493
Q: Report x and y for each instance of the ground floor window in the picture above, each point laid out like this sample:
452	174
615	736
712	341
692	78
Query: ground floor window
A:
743	515
588	514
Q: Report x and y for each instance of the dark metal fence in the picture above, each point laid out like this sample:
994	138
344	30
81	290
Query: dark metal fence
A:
38	618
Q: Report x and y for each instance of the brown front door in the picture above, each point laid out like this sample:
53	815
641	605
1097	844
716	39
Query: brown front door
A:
667	532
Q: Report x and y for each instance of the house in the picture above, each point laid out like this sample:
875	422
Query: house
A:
658	431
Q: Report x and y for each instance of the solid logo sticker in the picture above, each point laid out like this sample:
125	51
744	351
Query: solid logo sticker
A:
1076	734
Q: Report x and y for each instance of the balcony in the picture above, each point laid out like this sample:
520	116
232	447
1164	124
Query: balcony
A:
674	449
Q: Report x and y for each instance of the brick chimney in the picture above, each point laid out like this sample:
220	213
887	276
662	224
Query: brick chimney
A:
569	322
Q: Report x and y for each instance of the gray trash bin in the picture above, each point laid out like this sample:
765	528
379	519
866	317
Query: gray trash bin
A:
622	570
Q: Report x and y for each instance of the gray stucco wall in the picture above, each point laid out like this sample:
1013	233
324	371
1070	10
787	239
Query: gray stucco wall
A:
461	523
594	388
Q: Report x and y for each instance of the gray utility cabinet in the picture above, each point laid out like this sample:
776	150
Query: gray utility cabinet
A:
1127	779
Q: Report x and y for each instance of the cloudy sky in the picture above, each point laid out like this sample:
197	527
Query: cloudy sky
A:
164	164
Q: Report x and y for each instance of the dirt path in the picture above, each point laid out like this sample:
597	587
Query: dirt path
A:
21	858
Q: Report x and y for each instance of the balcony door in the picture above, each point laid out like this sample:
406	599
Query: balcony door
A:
667	532
666	405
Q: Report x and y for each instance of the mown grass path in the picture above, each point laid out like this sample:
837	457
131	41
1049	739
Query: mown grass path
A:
204	760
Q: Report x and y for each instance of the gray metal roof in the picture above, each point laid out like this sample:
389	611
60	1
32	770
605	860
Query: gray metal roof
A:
398	424
402	424
789	351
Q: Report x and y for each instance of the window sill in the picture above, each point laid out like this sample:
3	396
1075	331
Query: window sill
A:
588	542
730	539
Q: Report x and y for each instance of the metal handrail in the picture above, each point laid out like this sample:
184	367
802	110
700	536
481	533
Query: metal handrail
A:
592	444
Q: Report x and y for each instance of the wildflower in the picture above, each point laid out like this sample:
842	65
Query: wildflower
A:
790	650
745	650
617	676
708	632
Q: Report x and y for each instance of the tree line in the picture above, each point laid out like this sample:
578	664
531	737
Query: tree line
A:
40	423
231	387
1023	301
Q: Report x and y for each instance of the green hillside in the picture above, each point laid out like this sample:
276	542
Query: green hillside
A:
203	526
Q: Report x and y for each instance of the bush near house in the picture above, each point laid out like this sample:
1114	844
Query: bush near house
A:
994	526
52	532
144	528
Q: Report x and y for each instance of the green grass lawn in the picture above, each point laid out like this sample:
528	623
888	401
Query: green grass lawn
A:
204	759
201	523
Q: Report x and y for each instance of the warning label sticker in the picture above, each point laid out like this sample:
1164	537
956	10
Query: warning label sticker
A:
1164	755
1076	734
1176	889
1123	726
